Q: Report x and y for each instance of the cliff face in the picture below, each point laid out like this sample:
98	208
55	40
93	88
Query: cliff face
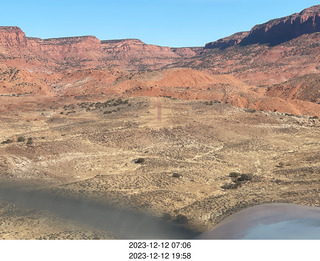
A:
270	53
227	41
284	29
274	31
17	50
133	53
12	36
262	64
255	64
60	48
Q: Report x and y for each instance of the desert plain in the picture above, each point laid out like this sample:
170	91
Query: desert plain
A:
187	135
177	159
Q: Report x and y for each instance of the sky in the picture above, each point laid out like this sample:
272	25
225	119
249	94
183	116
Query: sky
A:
174	23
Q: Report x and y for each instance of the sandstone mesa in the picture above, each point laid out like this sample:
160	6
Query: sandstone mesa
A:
245	69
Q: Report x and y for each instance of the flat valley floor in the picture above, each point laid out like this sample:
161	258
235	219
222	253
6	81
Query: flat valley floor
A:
192	162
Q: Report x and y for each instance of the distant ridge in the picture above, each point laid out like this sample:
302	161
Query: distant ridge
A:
275	31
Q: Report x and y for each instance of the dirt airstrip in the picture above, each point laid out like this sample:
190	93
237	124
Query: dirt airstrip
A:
193	162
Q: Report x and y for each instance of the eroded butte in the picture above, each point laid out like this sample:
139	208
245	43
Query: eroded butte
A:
190	135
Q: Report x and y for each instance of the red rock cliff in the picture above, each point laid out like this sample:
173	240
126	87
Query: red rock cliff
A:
283	29
12	36
274	31
17	50
227	41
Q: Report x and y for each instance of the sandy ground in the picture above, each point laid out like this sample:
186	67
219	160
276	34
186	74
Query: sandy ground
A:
168	157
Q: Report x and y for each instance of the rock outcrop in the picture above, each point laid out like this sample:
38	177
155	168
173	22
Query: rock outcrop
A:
284	29
135	54
228	70
305	88
227	41
12	36
275	31
68	53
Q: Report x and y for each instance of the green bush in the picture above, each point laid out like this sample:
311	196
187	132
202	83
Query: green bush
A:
21	139
176	175
245	177
139	161
234	174
7	141
237	180
30	141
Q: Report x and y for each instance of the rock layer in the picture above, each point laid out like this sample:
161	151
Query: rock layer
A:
12	36
226	42
281	30
228	70
275	31
71	53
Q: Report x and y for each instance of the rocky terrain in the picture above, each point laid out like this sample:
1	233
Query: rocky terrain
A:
228	41
181	83
273	52
188	134
304	88
275	31
193	162
284	29
52	55
78	65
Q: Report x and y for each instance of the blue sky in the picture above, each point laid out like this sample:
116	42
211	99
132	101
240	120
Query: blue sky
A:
172	23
